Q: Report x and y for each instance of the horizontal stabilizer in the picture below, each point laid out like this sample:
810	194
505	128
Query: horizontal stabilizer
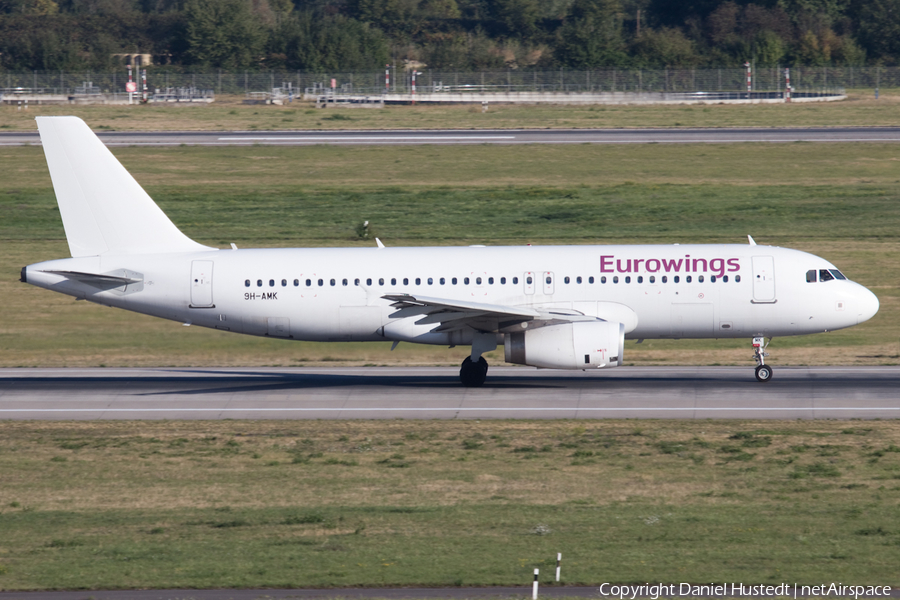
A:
96	279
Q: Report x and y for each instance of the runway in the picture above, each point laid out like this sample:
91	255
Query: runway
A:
435	393
481	136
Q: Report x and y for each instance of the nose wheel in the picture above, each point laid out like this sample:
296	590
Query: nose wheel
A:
763	371
473	373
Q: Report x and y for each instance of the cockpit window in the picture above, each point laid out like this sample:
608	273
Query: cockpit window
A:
837	274
825	275
811	276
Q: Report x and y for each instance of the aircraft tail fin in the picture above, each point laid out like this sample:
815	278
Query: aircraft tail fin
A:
104	210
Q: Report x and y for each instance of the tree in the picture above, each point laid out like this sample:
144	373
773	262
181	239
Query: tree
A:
329	44
592	35
664	47
222	33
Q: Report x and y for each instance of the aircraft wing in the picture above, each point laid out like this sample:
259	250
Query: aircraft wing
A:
460	314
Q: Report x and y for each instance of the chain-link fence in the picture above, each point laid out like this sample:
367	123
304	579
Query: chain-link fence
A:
401	81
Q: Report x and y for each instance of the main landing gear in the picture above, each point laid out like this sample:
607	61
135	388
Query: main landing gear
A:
472	373
763	371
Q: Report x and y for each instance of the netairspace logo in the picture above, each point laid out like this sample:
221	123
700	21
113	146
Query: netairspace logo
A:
736	590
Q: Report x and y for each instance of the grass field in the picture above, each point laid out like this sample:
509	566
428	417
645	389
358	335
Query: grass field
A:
841	201
332	503
227	113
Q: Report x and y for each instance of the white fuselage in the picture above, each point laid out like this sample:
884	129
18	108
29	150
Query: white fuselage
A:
657	291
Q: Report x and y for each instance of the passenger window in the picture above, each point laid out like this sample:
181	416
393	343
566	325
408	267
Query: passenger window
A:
393	281
406	281
591	279
478	281
503	281
628	279
653	279
344	282
356	281
811	276
332	282
676	279
453	281
616	279
640	279
418	281
381	281
837	274
825	275
688	279
566	279
549	280
665	279
578	279
321	282
271	283
430	281
737	278
528	280
603	279
712	278
725	278
246	283
515	280
296	283
284	283
490	281
700	278
443	281
259	283
309	283
368	281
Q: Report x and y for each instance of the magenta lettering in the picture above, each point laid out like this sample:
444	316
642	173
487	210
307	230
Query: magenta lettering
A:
627	268
606	262
672	265
717	266
637	264
699	261
733	265
653	269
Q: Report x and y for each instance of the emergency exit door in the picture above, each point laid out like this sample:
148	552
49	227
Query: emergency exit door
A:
201	284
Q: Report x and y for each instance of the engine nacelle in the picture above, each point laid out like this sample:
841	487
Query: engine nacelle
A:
578	345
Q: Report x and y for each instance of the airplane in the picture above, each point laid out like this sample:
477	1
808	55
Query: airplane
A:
554	307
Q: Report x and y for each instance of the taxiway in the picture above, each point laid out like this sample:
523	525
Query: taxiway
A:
435	393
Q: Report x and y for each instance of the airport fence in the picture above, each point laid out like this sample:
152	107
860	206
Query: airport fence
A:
401	81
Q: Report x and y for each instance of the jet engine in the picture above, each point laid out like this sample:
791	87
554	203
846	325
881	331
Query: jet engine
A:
578	345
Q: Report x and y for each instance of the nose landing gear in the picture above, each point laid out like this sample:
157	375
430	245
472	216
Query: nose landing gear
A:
763	371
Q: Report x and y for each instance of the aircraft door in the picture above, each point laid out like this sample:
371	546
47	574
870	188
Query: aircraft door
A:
528	280
201	284
548	283
763	279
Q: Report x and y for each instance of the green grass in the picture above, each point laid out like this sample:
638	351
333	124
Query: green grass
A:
299	504
841	201
227	113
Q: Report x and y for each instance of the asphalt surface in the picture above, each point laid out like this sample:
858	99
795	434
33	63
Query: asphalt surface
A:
481	136
435	393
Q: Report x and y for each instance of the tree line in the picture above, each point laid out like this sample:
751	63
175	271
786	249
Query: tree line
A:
462	35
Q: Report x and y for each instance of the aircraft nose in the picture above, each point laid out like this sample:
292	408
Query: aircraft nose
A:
867	305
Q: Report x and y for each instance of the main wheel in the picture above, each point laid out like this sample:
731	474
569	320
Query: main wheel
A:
763	373
473	374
